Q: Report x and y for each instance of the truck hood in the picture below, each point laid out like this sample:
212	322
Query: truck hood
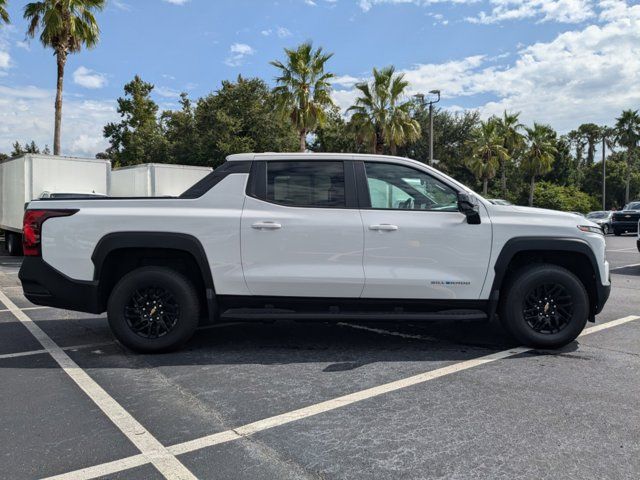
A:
542	215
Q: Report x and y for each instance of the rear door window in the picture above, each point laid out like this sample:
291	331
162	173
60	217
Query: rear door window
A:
306	184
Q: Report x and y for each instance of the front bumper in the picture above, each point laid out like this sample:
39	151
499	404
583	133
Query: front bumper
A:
625	226
602	295
44	285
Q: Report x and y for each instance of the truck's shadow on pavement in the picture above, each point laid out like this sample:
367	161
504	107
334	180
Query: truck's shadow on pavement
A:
342	346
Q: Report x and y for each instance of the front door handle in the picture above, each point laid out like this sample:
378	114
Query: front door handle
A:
266	225
384	227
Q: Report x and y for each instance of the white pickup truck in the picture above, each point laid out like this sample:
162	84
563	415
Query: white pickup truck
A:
315	236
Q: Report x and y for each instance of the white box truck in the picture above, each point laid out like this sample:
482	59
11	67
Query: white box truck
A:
155	179
29	177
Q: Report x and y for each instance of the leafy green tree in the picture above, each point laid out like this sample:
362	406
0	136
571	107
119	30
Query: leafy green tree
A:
65	26
335	135
303	90
539	154
509	128
179	127
138	137
241	117
592	134
380	116
568	199
617	175
27	148
628	135
487	152
4	15
562	171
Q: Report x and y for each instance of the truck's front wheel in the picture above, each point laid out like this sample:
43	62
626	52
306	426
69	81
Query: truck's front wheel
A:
545	306
153	309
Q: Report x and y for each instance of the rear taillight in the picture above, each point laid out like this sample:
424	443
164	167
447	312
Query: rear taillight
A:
32	228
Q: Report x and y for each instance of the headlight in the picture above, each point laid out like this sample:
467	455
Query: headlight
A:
590	229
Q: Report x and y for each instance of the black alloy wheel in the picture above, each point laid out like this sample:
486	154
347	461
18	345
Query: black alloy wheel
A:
152	312
544	306
548	308
153	309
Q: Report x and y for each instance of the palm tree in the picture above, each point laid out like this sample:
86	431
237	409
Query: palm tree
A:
627	135
539	155
592	134
379	114
4	15
509	128
487	152
303	90
65	26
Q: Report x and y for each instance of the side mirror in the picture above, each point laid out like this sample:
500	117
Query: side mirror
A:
468	205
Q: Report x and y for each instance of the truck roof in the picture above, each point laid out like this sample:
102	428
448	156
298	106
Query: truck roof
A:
309	155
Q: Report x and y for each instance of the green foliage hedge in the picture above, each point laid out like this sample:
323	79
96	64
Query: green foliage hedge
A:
568	199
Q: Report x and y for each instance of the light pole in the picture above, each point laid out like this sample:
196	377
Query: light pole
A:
420	98
433	92
604	173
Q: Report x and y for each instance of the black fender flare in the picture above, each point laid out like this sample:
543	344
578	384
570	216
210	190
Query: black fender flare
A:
165	240
558	244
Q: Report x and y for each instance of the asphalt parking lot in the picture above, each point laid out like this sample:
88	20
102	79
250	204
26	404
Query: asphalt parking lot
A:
295	400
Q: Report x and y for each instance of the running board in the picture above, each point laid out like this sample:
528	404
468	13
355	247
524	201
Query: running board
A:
282	314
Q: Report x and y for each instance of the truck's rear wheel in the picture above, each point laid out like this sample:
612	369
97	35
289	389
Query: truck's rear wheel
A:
153	309
545	306
13	243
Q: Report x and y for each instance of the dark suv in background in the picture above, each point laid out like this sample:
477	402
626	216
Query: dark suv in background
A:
626	220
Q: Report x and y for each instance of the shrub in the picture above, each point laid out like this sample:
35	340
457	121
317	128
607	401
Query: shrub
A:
568	199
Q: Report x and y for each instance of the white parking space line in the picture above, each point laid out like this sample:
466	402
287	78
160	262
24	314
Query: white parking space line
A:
25	309
103	469
155	453
42	350
322	407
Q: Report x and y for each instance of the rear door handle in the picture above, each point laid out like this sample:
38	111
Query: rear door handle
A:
266	225
384	227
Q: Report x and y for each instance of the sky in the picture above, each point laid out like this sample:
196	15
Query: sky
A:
561	62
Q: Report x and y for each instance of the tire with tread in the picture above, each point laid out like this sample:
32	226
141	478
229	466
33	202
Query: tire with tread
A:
180	288
13	243
523	282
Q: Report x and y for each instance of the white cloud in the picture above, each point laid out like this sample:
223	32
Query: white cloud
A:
26	113
586	75
5	56
366	5
120	5
283	32
563	11
238	53
88	78
345	80
311	3
167	92
24	45
5	59
176	2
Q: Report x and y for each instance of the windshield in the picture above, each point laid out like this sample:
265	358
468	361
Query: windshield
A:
632	206
598	215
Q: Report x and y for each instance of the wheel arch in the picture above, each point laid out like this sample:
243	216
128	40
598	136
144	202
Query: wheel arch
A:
575	254
120	252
